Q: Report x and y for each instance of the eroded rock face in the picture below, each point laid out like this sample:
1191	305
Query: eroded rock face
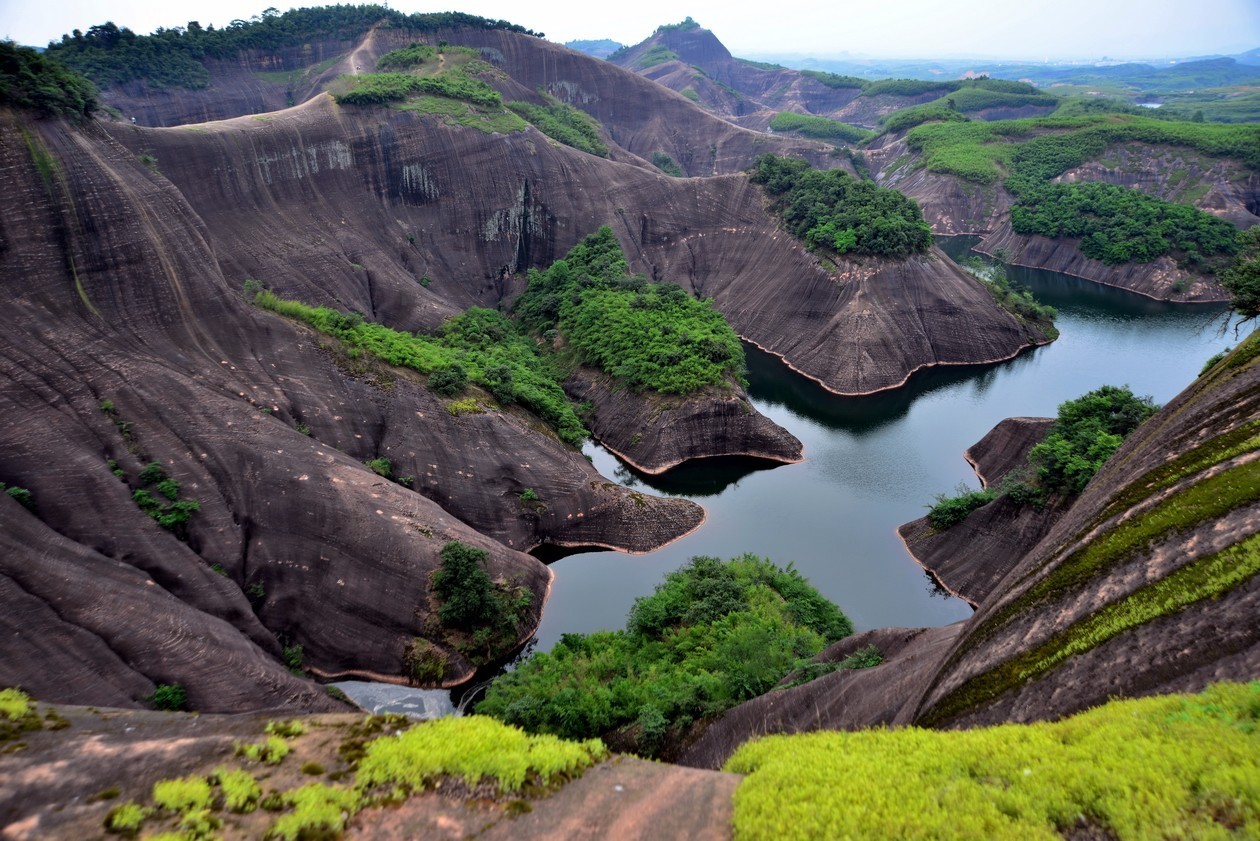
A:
655	432
126	344
970	558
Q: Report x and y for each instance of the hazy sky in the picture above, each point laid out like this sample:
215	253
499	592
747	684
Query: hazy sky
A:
1030	29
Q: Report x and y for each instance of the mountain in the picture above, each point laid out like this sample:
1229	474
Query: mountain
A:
600	48
298	471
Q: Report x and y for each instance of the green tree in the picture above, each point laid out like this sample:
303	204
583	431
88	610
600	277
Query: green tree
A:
1242	279
465	589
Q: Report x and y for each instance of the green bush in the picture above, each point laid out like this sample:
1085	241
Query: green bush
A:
650	336
486	614
564	123
820	128
464	587
831	80
450	380
713	634
381	466
666	164
834	211
169	696
407	57
1085	434
949	511
22	496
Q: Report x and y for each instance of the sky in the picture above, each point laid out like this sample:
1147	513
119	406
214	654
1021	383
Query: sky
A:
1027	29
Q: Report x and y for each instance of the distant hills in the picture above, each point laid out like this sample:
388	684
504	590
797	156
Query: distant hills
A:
602	48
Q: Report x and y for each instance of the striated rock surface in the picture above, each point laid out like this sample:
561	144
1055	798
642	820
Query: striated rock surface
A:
655	432
970	558
842	700
127	344
1147	584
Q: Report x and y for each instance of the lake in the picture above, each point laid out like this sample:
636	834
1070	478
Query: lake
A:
873	463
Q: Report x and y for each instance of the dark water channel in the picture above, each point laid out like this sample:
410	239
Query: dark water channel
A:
874	462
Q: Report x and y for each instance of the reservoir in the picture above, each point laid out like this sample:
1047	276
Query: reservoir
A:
875	462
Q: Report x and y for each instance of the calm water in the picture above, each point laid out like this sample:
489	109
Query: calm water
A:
872	463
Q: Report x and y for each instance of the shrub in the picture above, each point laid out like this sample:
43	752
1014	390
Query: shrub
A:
949	511
1085	434
30	79
564	123
22	496
169	696
650	336
450	380
820	128
712	635
1242	277
464	587
666	164
381	466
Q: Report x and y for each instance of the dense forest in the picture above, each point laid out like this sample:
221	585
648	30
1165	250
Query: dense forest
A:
832	210
648	335
31	80
109	55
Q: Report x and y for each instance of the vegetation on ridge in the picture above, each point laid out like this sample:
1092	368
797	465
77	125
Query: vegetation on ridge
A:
1115	224
175	57
560	121
1171	766
819	128
1086	432
649	335
482	343
713	634
40	83
832	210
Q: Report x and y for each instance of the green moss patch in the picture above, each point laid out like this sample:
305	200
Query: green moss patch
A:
1182	766
473	748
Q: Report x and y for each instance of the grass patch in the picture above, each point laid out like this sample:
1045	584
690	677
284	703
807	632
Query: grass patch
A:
473	749
949	511
819	128
564	123
1174	766
484	343
460	113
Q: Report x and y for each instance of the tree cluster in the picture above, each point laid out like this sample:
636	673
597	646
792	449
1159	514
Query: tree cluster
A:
713	634
832	210
42	84
110	55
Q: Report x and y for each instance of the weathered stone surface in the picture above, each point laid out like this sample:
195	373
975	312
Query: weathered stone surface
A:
655	432
117	297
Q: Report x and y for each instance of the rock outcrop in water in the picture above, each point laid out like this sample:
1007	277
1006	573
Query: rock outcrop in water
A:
970	559
1146	584
655	432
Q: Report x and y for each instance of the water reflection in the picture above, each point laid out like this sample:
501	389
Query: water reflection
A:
771	381
697	478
